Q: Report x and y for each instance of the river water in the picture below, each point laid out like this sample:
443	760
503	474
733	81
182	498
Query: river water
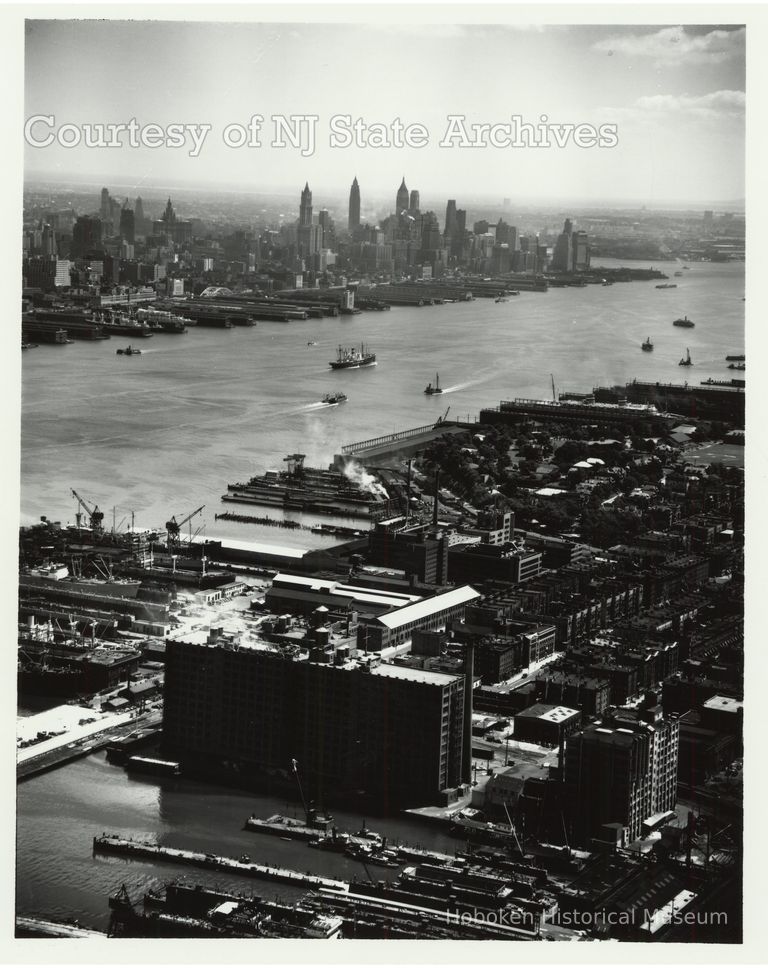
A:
59	813
165	432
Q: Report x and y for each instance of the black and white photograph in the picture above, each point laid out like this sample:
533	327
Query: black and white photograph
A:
381	489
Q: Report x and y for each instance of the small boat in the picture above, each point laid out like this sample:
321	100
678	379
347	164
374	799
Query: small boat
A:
129	351
607	282
737	366
667	285
687	323
429	389
686	360
311	342
647	345
499	299
333	398
740	358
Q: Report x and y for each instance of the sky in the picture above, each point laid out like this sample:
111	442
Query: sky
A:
676	96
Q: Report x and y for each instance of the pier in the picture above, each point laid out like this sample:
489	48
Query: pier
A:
401	443
111	844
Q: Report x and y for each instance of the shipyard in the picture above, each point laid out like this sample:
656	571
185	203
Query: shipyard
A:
382	531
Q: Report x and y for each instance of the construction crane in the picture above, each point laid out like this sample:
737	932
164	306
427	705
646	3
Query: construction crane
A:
174	527
95	516
441	420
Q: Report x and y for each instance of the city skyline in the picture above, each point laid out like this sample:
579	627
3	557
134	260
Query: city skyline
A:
675	95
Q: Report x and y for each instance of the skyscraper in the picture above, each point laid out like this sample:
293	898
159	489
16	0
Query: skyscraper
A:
305	206
86	236
415	201
562	255
354	206
402	201
450	218
128	225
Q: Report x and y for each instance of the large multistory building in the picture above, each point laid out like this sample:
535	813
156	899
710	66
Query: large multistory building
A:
354	206
618	773
353	725
562	254
402	200
86	236
305	206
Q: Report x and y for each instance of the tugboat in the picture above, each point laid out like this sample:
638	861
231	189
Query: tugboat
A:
429	389
311	342
129	351
686	361
647	345
334	398
667	285
350	358
687	323
737	366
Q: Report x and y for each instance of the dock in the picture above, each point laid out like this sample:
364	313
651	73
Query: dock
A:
112	844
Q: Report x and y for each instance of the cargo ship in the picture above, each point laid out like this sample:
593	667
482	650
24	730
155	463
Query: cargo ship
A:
350	358
685	322
122	325
163	320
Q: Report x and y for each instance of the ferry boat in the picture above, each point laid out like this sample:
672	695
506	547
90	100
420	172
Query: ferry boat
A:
351	358
129	351
687	323
686	360
429	389
647	345
334	398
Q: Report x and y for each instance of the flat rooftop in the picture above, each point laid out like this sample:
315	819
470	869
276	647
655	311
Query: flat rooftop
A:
408	674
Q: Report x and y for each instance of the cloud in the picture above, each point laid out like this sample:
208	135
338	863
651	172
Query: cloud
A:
673	46
717	106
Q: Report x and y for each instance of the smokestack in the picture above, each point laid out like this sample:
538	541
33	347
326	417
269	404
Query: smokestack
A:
437	489
408	495
469	675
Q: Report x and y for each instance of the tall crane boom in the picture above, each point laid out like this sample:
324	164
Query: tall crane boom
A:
174	527
95	516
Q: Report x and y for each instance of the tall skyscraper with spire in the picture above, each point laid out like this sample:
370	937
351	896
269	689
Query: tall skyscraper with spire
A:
354	206
402	200
305	206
